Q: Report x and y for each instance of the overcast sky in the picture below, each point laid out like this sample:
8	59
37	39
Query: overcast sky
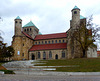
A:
50	16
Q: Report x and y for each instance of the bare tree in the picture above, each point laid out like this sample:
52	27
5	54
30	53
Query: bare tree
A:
1	38
86	34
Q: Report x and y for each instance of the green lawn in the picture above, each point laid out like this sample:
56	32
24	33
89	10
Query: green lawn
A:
85	65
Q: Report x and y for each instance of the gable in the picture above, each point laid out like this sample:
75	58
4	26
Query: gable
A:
27	35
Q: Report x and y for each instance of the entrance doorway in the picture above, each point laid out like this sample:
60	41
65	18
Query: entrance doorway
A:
33	57
56	56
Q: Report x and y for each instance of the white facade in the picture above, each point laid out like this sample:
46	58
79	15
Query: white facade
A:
92	52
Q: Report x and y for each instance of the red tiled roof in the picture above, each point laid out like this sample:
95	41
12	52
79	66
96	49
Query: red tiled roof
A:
98	52
49	46
51	36
27	35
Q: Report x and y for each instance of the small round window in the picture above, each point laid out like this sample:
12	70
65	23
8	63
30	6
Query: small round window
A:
75	12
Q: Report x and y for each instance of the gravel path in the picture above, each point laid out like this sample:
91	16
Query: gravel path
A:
48	78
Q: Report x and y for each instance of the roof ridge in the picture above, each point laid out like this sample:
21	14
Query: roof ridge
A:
75	7
17	17
54	33
29	24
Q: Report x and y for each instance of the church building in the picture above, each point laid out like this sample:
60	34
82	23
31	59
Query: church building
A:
30	44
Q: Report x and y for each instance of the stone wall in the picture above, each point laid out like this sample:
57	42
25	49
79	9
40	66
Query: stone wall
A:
32	31
54	54
92	52
21	45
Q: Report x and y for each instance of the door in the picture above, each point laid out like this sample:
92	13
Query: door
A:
56	56
33	57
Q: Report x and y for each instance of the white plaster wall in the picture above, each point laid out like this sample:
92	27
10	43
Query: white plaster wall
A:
92	53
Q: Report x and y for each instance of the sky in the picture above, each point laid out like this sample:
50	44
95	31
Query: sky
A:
50	16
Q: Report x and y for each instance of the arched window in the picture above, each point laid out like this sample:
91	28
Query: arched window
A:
36	43
30	29
39	42
59	41
50	54
15	21
38	54
45	42
44	55
63	54
49	42
52	41
55	41
25	30
63	41
75	12
42	42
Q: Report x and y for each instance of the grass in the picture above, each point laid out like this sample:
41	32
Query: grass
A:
85	65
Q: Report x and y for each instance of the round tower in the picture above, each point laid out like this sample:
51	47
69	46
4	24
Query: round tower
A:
75	17
18	26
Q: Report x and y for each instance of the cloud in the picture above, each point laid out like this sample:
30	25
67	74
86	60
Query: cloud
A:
50	16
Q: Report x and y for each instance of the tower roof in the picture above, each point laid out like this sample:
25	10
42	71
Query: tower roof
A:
81	17
18	17
40	33
29	24
75	8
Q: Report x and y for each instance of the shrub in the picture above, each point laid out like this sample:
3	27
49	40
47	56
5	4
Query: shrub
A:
8	71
